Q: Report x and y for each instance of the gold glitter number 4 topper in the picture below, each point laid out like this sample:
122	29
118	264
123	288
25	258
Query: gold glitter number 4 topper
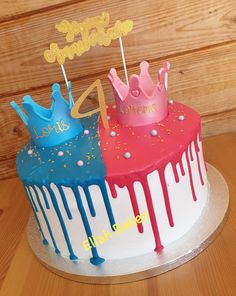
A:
102	104
93	31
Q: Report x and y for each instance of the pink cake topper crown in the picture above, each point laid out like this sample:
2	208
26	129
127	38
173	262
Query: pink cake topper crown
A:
143	101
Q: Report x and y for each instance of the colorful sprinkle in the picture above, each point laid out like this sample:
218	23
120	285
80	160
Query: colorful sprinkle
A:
60	153
80	163
127	155
153	133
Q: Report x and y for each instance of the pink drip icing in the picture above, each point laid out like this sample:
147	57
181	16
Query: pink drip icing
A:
200	139
166	196
152	215
134	203
191	152
198	162
196	145
181	167
176	175
190	176
142	164
112	189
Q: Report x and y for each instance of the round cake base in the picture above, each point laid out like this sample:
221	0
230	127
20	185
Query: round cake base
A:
190	245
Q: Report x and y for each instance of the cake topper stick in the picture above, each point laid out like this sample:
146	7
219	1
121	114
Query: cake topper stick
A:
64	74
163	74
123	60
71	100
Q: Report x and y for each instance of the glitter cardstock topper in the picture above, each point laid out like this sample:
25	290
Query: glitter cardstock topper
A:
92	31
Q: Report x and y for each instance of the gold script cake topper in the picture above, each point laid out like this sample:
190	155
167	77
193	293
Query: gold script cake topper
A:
93	31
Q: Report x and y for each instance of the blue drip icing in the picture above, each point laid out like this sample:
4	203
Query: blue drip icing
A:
63	197
89	201
46	220
45	198
95	260
32	201
45	242
45	166
103	189
63	226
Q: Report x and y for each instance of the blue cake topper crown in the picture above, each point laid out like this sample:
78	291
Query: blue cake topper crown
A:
53	126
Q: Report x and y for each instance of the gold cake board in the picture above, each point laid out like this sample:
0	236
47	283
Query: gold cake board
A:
137	268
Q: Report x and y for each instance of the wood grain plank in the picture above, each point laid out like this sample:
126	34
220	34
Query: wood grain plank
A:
210	273
14	9
14	210
220	123
162	28
203	80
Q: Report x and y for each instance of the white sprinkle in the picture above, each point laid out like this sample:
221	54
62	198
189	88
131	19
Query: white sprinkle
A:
108	117
181	117
60	153
127	155
113	106
171	102
112	133
30	151
80	163
153	132
86	132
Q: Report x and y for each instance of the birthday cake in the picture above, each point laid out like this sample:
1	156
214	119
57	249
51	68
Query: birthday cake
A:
117	184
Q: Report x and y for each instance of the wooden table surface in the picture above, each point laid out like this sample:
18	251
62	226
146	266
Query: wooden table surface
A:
213	272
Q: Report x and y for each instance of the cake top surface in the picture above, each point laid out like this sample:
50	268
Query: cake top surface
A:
122	149
150	146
